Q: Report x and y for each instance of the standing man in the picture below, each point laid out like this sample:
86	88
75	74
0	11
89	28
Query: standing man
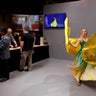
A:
26	44
4	55
12	39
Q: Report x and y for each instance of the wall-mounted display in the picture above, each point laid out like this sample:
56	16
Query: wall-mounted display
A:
55	20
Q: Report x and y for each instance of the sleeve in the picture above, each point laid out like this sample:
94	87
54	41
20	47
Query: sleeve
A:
12	38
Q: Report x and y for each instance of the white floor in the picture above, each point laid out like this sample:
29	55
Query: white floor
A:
49	77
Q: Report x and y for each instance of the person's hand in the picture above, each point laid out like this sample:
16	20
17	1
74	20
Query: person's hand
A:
11	46
15	45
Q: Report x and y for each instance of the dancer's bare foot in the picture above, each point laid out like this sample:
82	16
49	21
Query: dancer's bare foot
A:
78	83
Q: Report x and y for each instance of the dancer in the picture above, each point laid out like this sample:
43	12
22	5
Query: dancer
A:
84	68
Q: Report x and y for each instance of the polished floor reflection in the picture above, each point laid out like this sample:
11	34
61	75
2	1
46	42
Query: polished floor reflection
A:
49	77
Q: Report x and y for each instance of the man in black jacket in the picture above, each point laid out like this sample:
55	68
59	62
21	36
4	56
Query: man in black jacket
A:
4	55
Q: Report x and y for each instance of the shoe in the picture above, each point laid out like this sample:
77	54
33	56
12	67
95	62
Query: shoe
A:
4	79
20	70
0	77
27	69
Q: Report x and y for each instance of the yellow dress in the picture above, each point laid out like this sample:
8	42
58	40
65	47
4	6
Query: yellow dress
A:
84	67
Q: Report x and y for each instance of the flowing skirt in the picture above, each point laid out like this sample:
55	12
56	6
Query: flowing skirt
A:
82	70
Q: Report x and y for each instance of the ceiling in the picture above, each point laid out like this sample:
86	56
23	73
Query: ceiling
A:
28	6
57	1
21	6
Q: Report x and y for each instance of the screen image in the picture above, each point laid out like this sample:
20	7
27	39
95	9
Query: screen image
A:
21	21
54	20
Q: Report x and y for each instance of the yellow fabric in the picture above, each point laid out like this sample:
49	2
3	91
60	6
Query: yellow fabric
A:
89	50
71	50
85	61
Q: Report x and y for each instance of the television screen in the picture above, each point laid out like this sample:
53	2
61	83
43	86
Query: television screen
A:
21	21
54	20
